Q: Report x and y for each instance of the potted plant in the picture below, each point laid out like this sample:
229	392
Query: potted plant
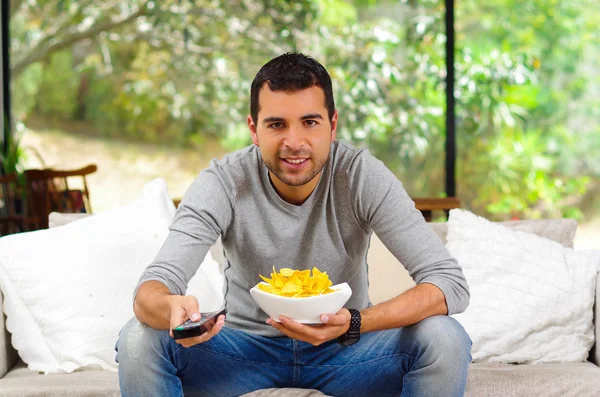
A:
13	161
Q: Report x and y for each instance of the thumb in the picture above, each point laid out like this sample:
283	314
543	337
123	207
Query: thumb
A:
190	304
341	318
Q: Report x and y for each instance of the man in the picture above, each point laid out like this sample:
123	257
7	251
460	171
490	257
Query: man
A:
298	198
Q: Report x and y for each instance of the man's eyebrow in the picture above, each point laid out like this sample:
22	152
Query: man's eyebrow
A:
311	116
273	120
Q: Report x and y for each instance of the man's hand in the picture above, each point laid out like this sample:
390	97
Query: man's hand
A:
184	308
334	325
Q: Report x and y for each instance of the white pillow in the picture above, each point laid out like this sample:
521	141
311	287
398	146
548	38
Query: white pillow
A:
531	298
56	219
68	290
206	285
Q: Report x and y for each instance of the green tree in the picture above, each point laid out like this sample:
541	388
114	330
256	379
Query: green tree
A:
516	112
179	71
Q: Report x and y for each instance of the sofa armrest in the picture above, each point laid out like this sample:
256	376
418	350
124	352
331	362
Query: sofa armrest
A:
595	352
8	355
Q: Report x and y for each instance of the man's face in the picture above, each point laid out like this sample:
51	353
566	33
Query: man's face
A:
294	133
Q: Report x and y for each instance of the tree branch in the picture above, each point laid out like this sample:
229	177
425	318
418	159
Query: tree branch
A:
45	48
15	5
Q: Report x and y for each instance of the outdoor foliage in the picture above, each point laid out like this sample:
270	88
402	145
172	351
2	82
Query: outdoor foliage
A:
179	72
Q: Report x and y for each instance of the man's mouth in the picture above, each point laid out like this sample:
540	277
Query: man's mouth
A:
294	161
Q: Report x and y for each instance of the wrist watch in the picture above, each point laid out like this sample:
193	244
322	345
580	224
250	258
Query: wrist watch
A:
353	334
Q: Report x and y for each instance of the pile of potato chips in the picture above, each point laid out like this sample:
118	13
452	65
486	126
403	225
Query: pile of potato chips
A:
297	283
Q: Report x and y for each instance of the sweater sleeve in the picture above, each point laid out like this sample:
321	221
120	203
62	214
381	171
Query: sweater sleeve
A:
202	216
383	205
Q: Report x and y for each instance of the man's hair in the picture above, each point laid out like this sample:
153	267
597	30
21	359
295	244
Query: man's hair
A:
291	72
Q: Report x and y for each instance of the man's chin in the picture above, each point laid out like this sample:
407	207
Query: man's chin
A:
292	178
295	182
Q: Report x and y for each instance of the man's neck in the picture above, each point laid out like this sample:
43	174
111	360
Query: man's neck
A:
295	195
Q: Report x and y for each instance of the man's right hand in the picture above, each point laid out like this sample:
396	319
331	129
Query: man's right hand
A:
184	308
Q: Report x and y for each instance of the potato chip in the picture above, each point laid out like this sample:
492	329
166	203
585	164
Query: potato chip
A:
286	272
296	283
267	288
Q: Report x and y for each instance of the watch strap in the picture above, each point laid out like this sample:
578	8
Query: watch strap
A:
353	334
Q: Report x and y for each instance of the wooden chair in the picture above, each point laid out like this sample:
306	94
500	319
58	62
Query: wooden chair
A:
428	204
12	203
48	191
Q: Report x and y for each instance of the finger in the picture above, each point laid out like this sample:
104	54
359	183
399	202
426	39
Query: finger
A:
314	335
341	318
178	317
286	331
296	326
217	327
194	340
187	342
187	308
278	325
192	308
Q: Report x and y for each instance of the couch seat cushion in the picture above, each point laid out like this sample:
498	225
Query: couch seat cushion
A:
22	382
485	380
547	380
287	392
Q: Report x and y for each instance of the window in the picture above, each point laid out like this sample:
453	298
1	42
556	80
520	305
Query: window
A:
157	91
527	108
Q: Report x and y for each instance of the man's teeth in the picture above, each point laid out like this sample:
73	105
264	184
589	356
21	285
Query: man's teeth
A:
295	161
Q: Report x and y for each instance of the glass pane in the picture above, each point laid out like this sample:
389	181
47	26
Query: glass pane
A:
157	89
391	89
528	96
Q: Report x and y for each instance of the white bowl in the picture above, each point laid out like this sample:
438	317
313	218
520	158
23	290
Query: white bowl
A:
306	310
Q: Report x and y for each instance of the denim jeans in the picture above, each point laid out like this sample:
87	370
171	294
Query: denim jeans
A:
429	359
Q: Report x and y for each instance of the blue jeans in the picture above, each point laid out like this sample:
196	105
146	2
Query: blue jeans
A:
429	359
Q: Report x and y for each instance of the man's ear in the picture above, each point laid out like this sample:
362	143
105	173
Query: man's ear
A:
334	121
252	128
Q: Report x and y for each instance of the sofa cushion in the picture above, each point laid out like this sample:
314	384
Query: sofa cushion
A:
388	278
285	392
560	230
22	382
531	298
533	380
56	219
595	351
89	269
8	354
489	380
95	263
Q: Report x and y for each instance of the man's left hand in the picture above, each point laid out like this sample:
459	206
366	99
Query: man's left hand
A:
334	325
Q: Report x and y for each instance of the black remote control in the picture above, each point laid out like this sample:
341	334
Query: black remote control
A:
196	328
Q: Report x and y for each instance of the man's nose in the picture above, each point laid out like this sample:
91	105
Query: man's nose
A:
294	138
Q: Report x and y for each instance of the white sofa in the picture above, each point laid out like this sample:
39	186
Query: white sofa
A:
388	278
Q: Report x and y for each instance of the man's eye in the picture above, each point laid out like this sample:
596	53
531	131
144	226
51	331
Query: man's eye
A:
276	125
311	123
